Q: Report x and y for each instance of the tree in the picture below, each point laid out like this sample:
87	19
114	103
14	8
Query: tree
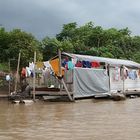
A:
67	32
4	42
51	47
94	40
25	43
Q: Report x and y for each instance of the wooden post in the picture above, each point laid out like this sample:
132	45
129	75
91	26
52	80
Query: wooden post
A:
123	80
61	79
108	72
60	71
69	95
17	73
59	55
10	78
34	76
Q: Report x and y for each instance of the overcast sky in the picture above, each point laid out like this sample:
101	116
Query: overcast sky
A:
46	17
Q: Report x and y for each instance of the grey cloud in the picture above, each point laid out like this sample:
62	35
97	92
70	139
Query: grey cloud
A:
46	17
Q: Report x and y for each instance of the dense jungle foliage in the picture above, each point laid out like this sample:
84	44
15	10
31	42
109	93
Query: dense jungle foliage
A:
87	39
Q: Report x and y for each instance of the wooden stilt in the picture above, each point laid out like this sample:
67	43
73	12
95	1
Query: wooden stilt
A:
69	95
108	69
60	71
10	79
123	80
34	78
17	73
62	80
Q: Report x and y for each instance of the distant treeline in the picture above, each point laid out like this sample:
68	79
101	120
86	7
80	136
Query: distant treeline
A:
87	39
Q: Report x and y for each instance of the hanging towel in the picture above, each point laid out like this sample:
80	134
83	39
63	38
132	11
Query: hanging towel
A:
117	74
70	65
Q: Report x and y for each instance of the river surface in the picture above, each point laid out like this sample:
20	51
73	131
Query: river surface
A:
82	120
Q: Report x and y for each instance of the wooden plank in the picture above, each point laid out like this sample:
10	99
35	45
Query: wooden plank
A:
17	73
34	77
52	93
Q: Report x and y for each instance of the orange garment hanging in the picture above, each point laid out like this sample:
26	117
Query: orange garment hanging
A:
55	66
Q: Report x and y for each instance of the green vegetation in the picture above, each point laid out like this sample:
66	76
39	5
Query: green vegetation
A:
4	67
15	41
87	39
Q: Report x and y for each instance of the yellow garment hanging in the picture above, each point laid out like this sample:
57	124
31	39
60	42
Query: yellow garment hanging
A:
39	65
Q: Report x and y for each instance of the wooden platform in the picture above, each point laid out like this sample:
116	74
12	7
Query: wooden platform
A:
4	96
132	92
57	94
51	93
46	89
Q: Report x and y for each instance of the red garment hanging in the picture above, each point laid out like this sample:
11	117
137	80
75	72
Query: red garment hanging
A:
95	64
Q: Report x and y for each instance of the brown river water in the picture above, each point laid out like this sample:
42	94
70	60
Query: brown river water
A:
82	120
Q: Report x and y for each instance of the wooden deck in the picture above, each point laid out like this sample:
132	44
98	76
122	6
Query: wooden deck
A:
4	96
51	93
63	94
132	92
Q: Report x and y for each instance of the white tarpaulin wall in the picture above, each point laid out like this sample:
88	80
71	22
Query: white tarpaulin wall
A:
85	85
129	84
88	82
132	84
115	84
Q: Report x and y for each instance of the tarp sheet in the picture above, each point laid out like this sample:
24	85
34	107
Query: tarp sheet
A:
128	84
88	82
110	61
